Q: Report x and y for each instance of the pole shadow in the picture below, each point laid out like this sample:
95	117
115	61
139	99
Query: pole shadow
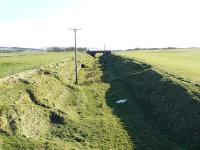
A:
159	114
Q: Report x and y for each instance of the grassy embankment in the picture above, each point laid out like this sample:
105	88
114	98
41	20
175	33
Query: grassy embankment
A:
168	87
182	66
45	110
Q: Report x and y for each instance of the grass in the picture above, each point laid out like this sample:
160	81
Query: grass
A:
184	63
12	63
46	110
181	65
170	89
142	87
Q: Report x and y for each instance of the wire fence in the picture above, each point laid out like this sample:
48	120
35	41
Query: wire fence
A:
68	70
27	67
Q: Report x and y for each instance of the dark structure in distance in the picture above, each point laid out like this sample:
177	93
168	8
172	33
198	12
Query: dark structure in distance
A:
93	53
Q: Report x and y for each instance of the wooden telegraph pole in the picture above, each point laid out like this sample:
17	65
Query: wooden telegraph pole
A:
75	56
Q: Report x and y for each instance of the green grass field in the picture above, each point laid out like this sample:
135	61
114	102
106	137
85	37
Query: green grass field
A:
12	63
182	66
182	63
46	110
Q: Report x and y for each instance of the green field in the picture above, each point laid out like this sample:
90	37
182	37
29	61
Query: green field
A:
46	110
12	63
182	63
182	66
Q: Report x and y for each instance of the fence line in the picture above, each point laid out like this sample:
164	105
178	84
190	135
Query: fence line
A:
33	66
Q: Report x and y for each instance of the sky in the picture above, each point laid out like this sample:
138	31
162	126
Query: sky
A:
120	24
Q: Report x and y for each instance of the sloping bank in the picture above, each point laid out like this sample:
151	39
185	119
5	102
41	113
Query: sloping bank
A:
45	110
159	113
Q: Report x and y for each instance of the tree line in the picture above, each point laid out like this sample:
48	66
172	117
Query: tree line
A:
64	49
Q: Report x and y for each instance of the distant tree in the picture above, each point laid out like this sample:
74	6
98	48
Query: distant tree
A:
64	49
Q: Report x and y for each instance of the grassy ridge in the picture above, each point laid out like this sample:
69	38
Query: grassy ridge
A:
165	95
45	110
183	66
16	62
145	109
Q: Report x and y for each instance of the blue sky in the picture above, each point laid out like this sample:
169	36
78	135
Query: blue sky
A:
24	10
120	24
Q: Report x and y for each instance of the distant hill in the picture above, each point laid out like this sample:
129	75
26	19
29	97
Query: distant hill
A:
17	49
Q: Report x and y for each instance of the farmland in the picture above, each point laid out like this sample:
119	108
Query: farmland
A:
46	110
182	66
182	63
11	63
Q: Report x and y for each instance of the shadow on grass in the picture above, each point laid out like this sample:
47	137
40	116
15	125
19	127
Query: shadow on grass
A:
159	114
